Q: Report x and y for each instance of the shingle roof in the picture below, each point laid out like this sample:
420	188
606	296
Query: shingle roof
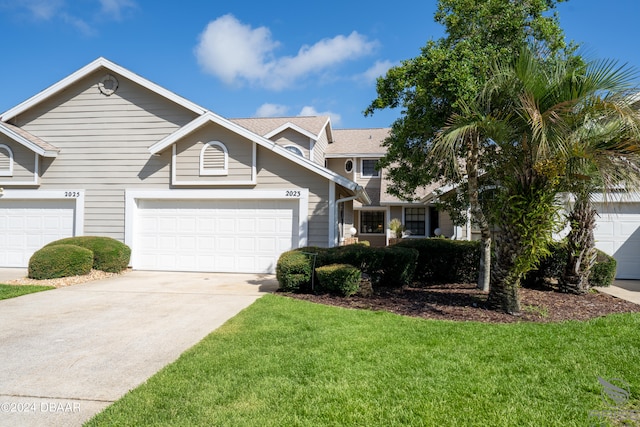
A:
265	125
27	139
353	142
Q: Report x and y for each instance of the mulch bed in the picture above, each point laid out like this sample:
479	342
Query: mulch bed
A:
464	302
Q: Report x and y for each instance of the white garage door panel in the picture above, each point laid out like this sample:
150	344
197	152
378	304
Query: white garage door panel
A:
618	234
28	225
214	235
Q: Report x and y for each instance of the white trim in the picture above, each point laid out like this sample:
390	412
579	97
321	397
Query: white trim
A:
292	126
88	69
26	143
225	153
354	155
71	194
36	171
312	149
333	224
362	175
133	196
210	117
8	172
177	183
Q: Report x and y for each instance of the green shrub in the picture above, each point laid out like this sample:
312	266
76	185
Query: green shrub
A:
52	262
399	266
109	254
444	260
293	271
341	279
603	271
369	260
550	267
553	265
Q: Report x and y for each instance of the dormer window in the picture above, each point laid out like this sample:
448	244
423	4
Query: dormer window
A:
214	159
6	160
294	150
368	168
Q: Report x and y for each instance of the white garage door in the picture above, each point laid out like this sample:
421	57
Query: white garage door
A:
618	233
232	236
28	225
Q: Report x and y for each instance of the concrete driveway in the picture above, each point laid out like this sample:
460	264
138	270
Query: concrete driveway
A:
68	353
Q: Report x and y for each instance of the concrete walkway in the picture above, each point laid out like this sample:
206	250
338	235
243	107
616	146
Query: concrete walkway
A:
68	353
625	289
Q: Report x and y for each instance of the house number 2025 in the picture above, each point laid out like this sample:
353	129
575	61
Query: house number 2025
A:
292	193
72	194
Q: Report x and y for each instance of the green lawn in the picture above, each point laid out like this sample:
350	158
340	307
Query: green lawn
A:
285	362
12	291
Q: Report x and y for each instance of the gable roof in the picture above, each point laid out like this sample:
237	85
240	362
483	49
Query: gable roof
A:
311	126
357	143
28	140
85	71
210	117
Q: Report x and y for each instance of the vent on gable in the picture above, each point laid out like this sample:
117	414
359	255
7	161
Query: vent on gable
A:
214	159
108	85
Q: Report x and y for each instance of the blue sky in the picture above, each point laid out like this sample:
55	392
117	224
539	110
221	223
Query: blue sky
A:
248	59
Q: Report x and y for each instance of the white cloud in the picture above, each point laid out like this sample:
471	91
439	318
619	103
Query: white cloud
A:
80	24
271	110
230	50
115	8
311	111
238	53
378	69
66	12
38	9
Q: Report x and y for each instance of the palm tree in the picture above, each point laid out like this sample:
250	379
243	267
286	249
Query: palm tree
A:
534	110
605	154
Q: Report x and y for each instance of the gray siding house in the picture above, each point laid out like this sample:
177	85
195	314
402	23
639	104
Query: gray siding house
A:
107	152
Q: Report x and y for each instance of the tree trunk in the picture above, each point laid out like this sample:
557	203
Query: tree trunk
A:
484	270
505	280
580	247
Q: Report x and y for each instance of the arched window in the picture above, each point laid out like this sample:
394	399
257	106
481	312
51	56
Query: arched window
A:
6	160
214	159
294	150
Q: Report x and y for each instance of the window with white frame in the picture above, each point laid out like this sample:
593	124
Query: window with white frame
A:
294	150
214	159
6	160
415	221
368	168
372	222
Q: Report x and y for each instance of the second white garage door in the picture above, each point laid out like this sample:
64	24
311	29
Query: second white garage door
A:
232	236
28	225
618	234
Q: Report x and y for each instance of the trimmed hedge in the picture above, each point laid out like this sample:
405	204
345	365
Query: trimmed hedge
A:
109	254
293	271
444	260
552	266
388	267
52	262
341	279
603	271
399	266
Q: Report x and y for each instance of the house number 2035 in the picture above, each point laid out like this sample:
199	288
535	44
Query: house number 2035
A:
292	193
